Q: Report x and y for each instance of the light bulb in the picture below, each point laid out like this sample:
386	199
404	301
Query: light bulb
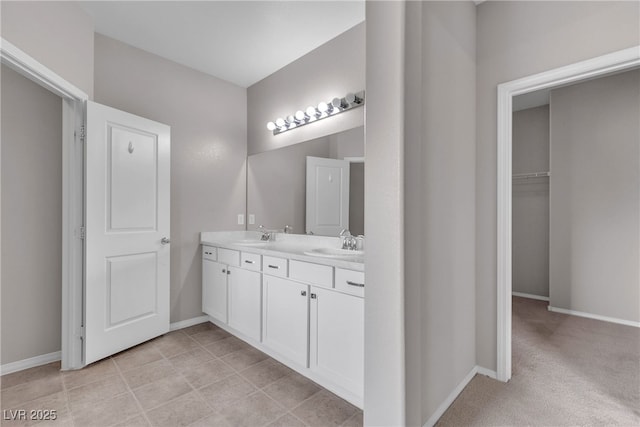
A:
350	98
271	126
312	112
339	103
300	116
291	120
280	122
323	107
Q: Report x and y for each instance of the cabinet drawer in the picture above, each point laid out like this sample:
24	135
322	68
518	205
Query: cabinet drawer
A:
349	281
250	261
274	266
209	252
229	257
308	272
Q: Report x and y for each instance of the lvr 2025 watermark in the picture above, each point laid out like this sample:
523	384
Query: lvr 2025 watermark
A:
34	414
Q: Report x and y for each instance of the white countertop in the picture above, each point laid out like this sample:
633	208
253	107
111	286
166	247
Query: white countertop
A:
291	246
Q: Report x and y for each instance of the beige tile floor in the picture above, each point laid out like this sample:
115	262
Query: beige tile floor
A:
198	376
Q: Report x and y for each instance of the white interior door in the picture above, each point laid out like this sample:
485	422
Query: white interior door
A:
327	196
126	297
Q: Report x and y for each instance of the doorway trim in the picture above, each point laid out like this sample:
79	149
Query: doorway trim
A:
613	62
73	107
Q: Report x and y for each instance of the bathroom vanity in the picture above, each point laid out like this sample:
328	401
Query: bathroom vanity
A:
298	298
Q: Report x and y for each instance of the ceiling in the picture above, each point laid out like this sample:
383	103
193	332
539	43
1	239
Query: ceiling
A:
238	41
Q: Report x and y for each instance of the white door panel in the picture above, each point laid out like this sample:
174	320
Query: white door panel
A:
327	196
127	214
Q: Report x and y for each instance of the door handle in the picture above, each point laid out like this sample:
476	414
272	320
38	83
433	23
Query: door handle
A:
165	240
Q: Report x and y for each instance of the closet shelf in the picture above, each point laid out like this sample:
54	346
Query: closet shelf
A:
531	175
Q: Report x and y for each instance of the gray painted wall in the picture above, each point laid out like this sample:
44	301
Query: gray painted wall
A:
531	202
595	197
332	70
517	39
58	34
31	219
208	150
439	202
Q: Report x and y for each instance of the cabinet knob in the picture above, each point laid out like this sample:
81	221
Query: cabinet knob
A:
303	293
313	296
224	271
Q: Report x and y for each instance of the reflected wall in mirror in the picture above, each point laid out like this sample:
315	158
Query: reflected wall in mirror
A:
276	181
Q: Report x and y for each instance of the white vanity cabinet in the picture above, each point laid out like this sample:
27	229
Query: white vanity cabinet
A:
214	285
336	339
245	295
308	315
286	318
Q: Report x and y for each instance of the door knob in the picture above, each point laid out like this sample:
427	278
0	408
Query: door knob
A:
165	240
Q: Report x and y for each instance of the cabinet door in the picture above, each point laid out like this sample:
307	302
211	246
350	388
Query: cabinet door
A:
286	318
214	289
245	296
337	338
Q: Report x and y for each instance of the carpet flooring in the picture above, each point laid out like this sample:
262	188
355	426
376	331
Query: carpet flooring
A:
567	371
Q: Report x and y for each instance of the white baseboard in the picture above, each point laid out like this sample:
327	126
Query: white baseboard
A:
189	322
530	296
31	362
594	316
433	419
43	359
487	372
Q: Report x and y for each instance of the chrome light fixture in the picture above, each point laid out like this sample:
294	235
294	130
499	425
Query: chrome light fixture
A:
312	114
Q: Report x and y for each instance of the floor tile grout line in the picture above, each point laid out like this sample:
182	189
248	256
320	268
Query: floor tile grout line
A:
135	398
351	417
297	418
67	401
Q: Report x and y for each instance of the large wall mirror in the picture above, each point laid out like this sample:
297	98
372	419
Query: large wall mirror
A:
277	182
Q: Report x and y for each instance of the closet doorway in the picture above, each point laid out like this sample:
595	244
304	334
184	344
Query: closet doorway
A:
617	62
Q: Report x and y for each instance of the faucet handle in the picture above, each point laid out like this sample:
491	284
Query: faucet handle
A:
345	232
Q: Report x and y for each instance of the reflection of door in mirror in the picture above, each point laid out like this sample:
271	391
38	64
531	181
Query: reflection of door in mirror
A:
276	181
327	196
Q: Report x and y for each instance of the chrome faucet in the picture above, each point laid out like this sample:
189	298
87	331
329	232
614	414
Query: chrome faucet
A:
288	229
267	235
349	242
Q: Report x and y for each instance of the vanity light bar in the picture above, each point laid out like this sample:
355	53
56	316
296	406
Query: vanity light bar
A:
313	114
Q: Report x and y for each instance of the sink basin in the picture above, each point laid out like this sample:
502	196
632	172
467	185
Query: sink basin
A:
335	253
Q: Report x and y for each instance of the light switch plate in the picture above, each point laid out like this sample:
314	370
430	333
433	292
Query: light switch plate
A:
240	219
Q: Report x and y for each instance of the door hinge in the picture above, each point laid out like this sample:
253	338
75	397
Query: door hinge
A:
83	233
81	133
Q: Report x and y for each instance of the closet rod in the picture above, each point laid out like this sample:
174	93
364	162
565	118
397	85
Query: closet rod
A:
531	175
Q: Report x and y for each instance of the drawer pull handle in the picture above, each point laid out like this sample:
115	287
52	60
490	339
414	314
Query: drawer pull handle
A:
360	285
274	266
303	293
248	261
